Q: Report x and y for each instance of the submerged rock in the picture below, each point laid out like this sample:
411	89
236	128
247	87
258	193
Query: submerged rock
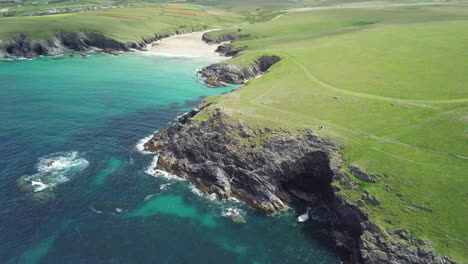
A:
30	189
214	82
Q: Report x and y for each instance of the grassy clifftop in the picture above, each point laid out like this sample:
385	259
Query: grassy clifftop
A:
123	24
389	86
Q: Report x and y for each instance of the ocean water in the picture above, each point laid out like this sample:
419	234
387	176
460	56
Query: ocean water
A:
71	127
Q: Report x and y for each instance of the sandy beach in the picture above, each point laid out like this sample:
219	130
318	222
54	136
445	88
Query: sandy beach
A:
184	45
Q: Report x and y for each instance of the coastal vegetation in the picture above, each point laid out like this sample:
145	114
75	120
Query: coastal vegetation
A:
122	24
389	87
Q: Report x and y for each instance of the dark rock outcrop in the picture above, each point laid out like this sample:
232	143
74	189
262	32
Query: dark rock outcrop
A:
228	51
268	169
20	45
214	82
220	38
234	74
358	173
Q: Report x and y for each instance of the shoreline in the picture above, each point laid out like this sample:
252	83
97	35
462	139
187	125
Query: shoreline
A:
83	42
187	45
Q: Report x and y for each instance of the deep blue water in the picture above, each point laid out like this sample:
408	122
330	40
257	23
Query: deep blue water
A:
101	206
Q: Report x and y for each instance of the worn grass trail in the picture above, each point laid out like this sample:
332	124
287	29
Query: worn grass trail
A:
387	85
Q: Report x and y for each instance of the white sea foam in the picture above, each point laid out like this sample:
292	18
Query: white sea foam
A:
234	200
140	146
38	186
164	186
151	170
195	190
55	169
149	197
232	212
179	116
213	197
95	210
61	161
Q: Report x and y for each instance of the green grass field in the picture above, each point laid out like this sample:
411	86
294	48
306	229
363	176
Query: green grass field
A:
390	86
124	24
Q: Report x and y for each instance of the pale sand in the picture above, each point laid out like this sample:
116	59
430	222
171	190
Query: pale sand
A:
184	45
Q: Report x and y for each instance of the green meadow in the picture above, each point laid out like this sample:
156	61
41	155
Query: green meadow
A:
124	24
389	87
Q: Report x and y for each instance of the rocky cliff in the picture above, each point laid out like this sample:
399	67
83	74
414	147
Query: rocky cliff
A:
226	72
269	169
20	45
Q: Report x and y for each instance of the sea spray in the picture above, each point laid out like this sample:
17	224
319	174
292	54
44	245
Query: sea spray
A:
140	146
151	170
55	169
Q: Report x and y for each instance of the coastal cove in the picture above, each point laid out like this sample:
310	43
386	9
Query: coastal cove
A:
107	206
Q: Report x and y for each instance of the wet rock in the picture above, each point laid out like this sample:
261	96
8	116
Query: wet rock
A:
214	82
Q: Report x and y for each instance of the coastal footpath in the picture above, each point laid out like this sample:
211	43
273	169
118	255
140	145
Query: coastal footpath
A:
269	169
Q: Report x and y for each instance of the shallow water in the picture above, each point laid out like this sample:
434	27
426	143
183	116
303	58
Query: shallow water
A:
87	116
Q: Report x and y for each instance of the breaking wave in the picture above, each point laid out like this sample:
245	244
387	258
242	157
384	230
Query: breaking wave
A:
140	146
151	170
55	169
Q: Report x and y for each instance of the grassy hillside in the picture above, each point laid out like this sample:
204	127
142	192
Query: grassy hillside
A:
125	24
388	85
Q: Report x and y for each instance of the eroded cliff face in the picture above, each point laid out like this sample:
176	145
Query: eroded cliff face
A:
269	169
226	72
20	45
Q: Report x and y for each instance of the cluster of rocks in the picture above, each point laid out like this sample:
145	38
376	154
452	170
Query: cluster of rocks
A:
219	74
228	51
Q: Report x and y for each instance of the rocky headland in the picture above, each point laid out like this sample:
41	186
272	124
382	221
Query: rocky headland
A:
269	169
20	45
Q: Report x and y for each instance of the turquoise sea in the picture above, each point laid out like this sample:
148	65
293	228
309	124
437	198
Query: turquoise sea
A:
72	126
